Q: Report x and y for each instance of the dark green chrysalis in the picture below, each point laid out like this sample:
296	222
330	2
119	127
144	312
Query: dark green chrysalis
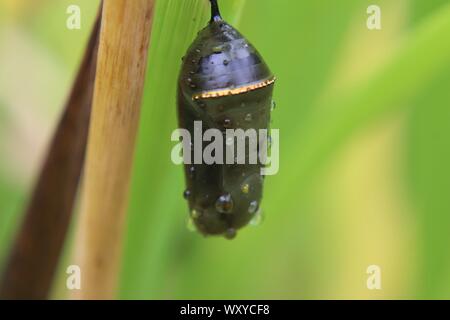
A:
224	83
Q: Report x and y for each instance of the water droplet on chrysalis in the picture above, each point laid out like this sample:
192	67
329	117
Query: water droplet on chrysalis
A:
253	207
227	123
225	204
192	171
190	225
201	104
273	106
217	49
230	233
257	219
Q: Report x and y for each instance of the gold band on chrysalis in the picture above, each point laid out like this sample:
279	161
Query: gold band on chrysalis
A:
234	91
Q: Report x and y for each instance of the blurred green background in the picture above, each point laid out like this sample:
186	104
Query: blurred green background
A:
364	119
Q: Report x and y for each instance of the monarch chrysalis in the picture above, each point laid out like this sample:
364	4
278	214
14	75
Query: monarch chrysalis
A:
224	83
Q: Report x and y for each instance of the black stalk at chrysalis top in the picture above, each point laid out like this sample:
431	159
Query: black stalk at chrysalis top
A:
215	12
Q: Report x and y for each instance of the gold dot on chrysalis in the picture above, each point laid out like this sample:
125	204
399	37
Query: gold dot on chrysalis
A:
195	214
